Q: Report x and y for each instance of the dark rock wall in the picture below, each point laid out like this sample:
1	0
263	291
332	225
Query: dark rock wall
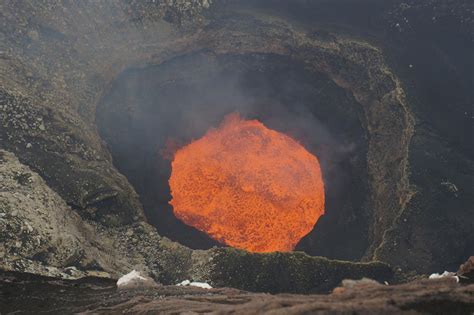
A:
432	47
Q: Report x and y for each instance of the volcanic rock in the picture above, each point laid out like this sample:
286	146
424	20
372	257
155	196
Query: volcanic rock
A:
134	280
466	271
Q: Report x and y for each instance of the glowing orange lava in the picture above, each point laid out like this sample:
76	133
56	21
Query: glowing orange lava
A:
247	186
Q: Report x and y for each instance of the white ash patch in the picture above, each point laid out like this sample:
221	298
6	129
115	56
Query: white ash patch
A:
187	283
445	274
134	279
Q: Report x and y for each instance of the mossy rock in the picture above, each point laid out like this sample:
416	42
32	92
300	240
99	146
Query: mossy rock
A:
294	272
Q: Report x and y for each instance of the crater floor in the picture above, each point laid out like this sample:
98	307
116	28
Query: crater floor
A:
98	297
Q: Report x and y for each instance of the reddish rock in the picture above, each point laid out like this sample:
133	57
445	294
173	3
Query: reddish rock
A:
466	271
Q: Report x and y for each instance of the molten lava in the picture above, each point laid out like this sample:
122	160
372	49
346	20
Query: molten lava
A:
247	186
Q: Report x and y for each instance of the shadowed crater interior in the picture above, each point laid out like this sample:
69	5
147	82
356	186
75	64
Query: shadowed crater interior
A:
149	110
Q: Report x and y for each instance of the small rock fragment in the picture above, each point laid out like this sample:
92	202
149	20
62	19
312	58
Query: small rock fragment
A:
466	271
350	284
187	283
134	280
445	274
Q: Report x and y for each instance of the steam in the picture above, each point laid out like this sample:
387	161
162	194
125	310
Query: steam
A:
183	98
149	113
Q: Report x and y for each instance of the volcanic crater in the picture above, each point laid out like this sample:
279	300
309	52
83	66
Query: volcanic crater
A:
149	109
97	98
